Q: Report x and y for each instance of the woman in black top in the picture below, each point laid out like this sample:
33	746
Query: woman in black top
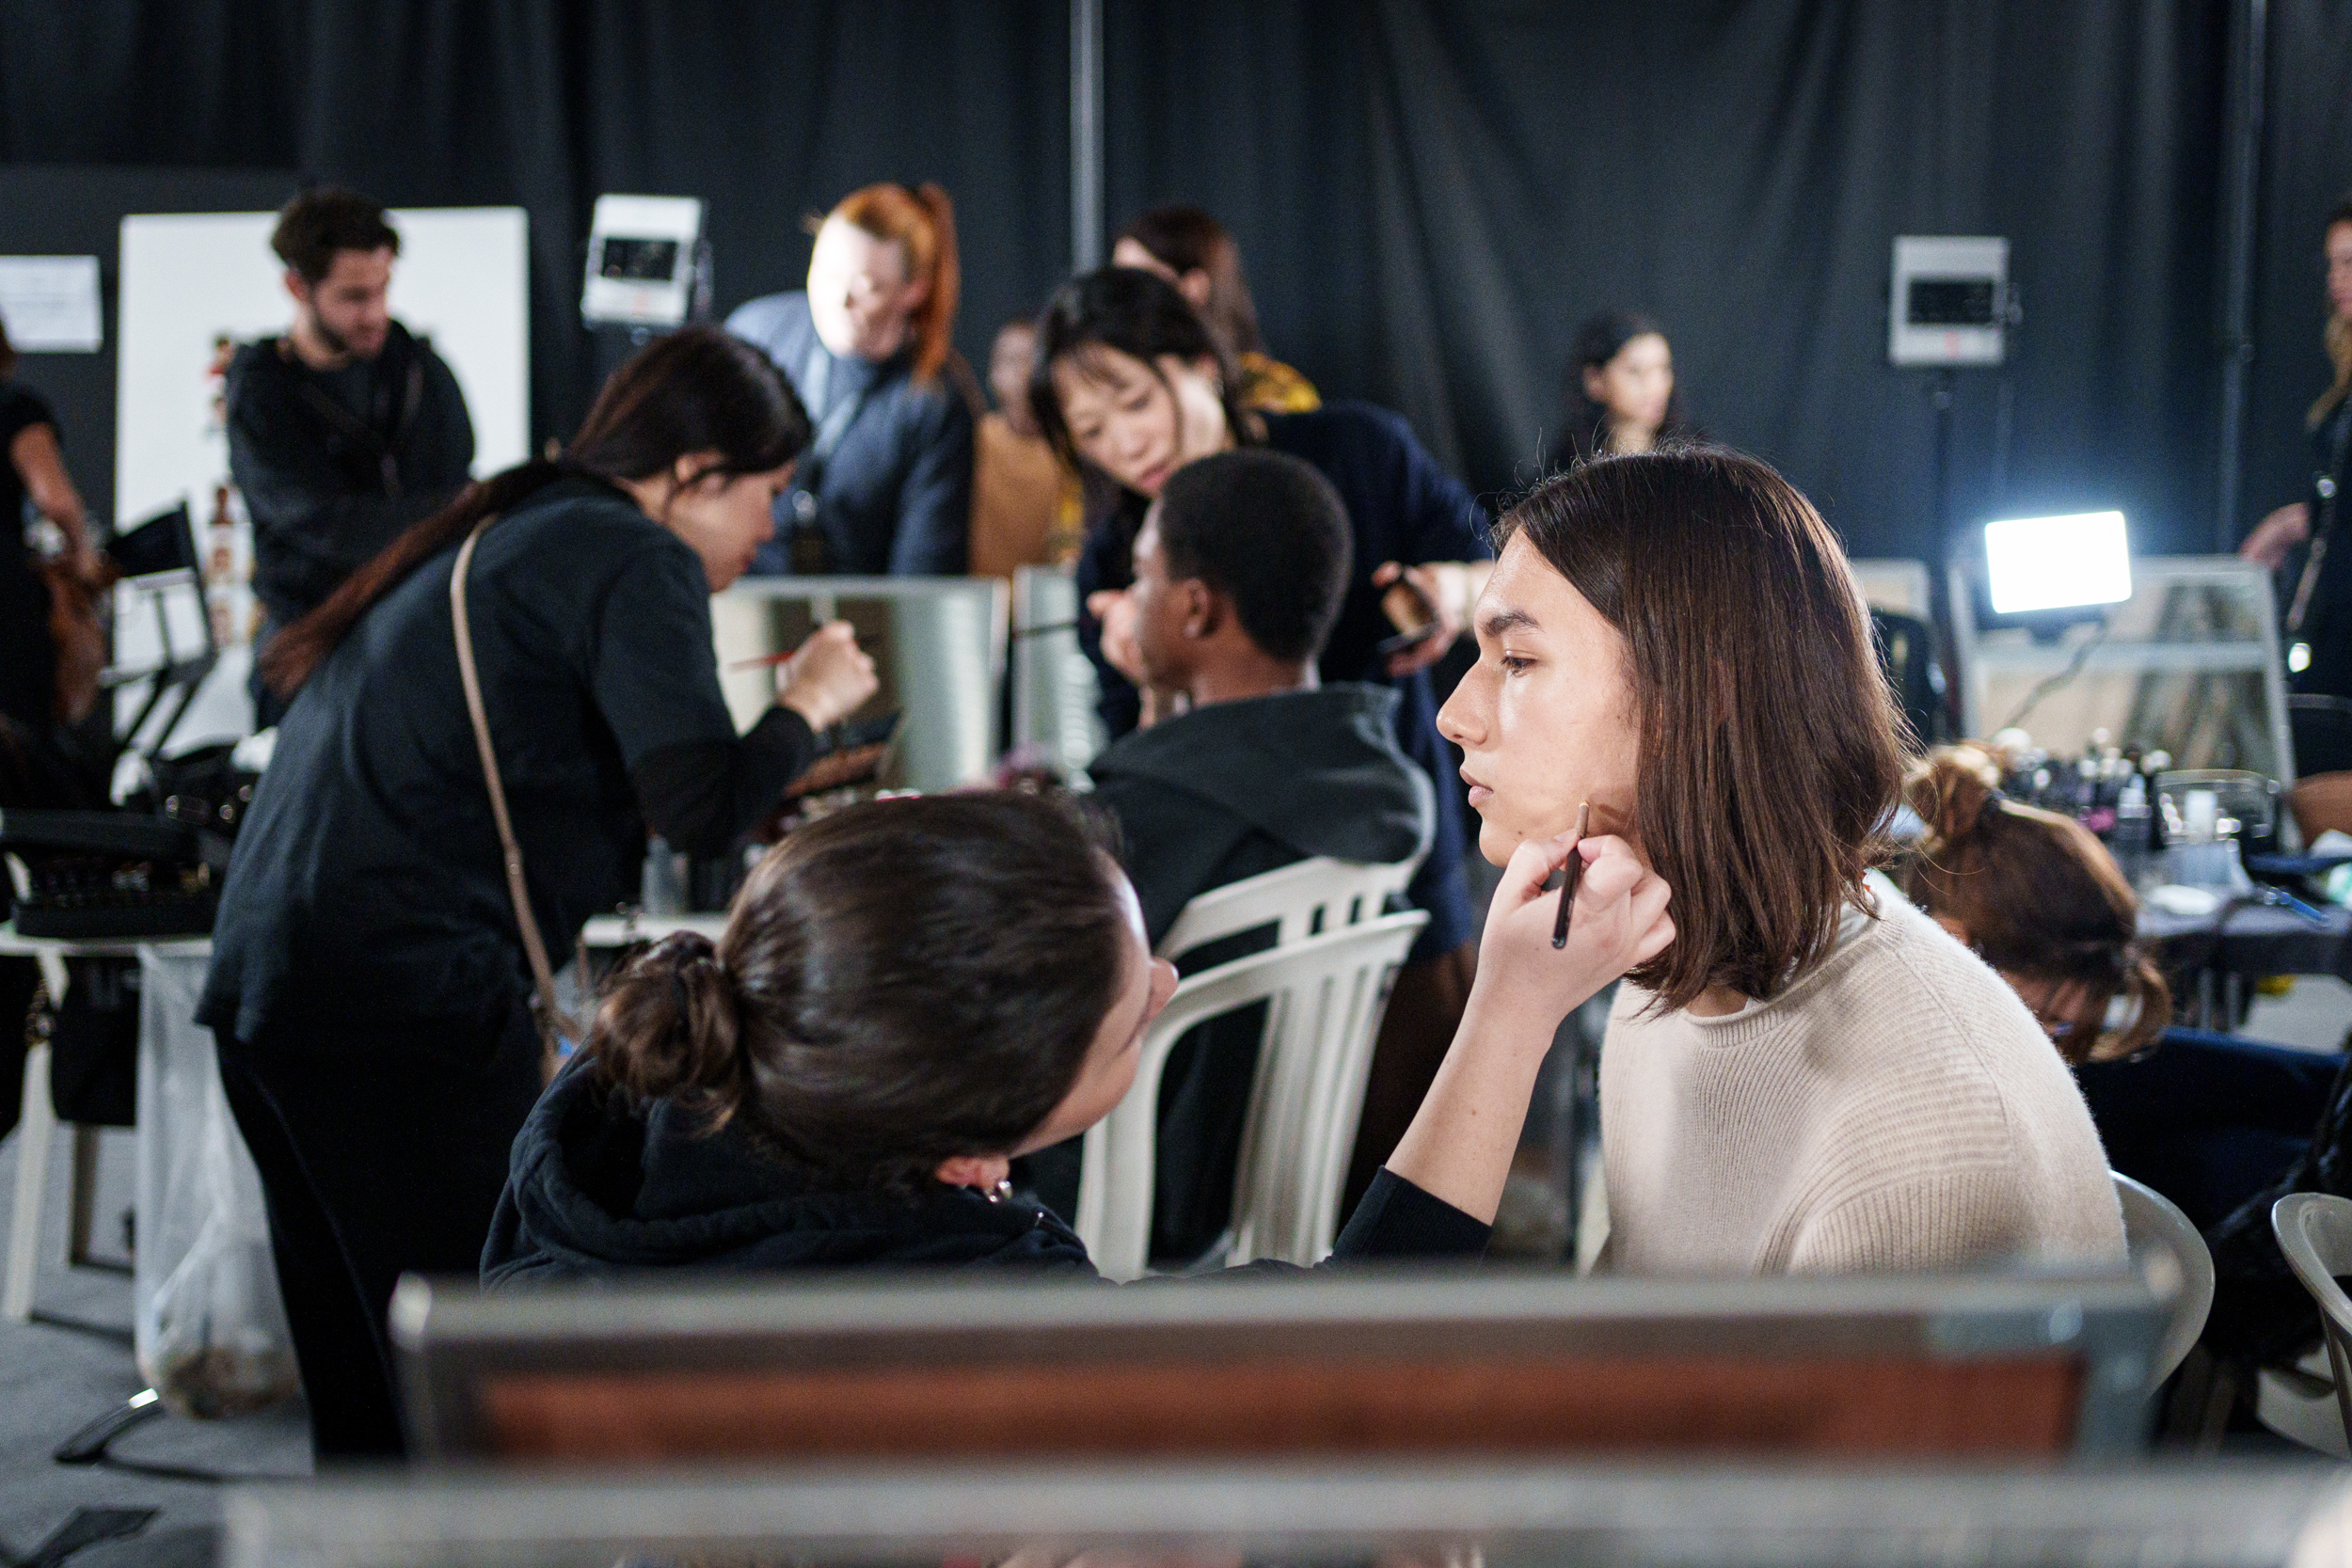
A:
911	992
2317	618
369	988
34	471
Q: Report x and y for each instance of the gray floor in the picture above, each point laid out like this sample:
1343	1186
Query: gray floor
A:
74	1364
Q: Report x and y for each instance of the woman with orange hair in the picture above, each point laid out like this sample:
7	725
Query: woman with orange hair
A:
887	485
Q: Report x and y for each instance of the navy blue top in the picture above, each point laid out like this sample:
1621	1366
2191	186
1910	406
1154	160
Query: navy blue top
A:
895	496
1403	507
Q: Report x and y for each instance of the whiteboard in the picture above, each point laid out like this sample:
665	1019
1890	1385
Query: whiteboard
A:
193	286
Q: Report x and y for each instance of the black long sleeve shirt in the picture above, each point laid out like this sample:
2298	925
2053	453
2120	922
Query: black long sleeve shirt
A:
368	879
334	465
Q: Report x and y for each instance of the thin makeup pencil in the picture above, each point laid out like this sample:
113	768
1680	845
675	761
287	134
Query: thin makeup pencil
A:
1569	875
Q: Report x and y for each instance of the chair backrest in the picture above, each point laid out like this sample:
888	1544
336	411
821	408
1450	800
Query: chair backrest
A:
1900	586
1460	1367
2152	1222
2314	1231
1325	998
1301	900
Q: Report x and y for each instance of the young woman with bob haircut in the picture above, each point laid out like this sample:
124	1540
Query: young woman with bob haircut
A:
1813	1076
908	994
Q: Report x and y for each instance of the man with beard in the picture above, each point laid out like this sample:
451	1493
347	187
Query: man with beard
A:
344	430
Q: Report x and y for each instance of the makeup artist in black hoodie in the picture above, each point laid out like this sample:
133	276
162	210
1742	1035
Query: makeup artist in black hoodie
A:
1239	572
369	987
911	992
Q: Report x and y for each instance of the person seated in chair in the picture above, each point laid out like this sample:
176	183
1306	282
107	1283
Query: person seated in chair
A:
1239	571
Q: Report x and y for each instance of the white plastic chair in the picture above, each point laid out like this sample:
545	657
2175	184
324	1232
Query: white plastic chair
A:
2151	1220
2314	1231
1302	900
1325	996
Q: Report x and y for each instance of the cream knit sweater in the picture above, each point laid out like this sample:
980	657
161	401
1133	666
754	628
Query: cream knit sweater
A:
1896	1110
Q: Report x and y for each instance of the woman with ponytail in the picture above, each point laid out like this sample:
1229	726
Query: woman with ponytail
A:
910	994
886	485
2205	1119
368	990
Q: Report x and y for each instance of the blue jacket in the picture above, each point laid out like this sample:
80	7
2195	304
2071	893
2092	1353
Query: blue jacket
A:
895	497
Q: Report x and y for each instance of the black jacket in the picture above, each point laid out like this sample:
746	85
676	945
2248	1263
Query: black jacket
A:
368	881
326	488
1233	789
1402	506
1207	798
598	1188
893	496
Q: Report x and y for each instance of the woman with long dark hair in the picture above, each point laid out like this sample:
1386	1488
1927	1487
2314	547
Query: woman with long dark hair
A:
370	989
1130	384
1621	393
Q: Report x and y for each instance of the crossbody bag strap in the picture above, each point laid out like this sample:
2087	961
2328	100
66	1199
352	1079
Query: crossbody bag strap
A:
2329	502
534	948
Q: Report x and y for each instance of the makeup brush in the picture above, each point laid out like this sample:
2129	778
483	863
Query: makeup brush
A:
1570	875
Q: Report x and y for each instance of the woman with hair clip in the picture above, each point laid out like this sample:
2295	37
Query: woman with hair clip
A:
1129	385
1195	252
909	993
2316	623
1813	1077
1621	395
371	980
886	484
2205	1119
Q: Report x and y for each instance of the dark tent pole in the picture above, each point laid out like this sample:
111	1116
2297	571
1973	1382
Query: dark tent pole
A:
1085	135
2241	163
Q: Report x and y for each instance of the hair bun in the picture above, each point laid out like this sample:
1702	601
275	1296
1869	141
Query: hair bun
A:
668	1027
1951	790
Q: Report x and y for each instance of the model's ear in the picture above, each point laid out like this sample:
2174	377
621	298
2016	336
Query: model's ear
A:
297	287
1204	608
972	1170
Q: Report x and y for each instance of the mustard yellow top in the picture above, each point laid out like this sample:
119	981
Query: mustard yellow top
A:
1274	387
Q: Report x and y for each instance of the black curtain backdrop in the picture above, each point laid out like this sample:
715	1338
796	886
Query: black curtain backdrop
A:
769	112
1430	195
2306	168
